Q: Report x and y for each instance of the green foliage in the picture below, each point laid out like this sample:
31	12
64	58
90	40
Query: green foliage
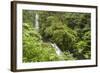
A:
28	16
58	32
83	47
68	56
70	31
34	49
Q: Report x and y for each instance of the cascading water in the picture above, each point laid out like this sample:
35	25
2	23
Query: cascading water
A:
57	49
37	22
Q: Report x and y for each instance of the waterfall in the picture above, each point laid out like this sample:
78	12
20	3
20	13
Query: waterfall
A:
57	49
37	22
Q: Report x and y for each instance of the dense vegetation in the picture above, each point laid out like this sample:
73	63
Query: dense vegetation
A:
69	30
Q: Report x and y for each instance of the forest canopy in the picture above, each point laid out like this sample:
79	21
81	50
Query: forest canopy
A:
70	31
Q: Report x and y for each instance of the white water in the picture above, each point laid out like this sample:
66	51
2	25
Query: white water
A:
37	22
57	49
